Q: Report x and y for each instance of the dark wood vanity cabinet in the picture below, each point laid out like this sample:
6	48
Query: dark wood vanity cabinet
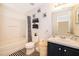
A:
60	50
54	49
68	51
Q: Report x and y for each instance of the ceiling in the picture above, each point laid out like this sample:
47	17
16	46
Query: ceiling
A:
23	7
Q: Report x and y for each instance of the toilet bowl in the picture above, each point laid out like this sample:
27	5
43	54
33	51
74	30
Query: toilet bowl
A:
30	47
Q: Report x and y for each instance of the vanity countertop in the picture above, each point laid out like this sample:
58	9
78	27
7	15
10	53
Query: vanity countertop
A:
65	41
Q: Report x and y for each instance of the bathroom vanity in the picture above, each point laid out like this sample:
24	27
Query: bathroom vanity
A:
62	47
63	22
61	50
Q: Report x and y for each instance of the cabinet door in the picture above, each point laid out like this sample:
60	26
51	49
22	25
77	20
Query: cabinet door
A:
54	49
68	51
65	51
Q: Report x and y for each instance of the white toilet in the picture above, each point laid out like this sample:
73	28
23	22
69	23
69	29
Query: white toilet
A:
30	47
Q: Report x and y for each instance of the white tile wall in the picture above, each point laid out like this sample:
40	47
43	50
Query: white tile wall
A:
45	29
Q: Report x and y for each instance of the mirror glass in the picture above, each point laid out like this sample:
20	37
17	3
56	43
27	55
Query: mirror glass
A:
62	22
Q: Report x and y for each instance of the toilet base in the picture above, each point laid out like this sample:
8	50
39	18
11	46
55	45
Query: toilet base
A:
29	51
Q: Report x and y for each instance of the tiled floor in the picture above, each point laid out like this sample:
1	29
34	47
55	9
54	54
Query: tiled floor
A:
23	53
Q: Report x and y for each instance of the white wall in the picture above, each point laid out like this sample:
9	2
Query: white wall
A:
45	28
12	30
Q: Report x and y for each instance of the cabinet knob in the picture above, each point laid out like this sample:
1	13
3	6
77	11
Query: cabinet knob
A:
65	50
59	49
